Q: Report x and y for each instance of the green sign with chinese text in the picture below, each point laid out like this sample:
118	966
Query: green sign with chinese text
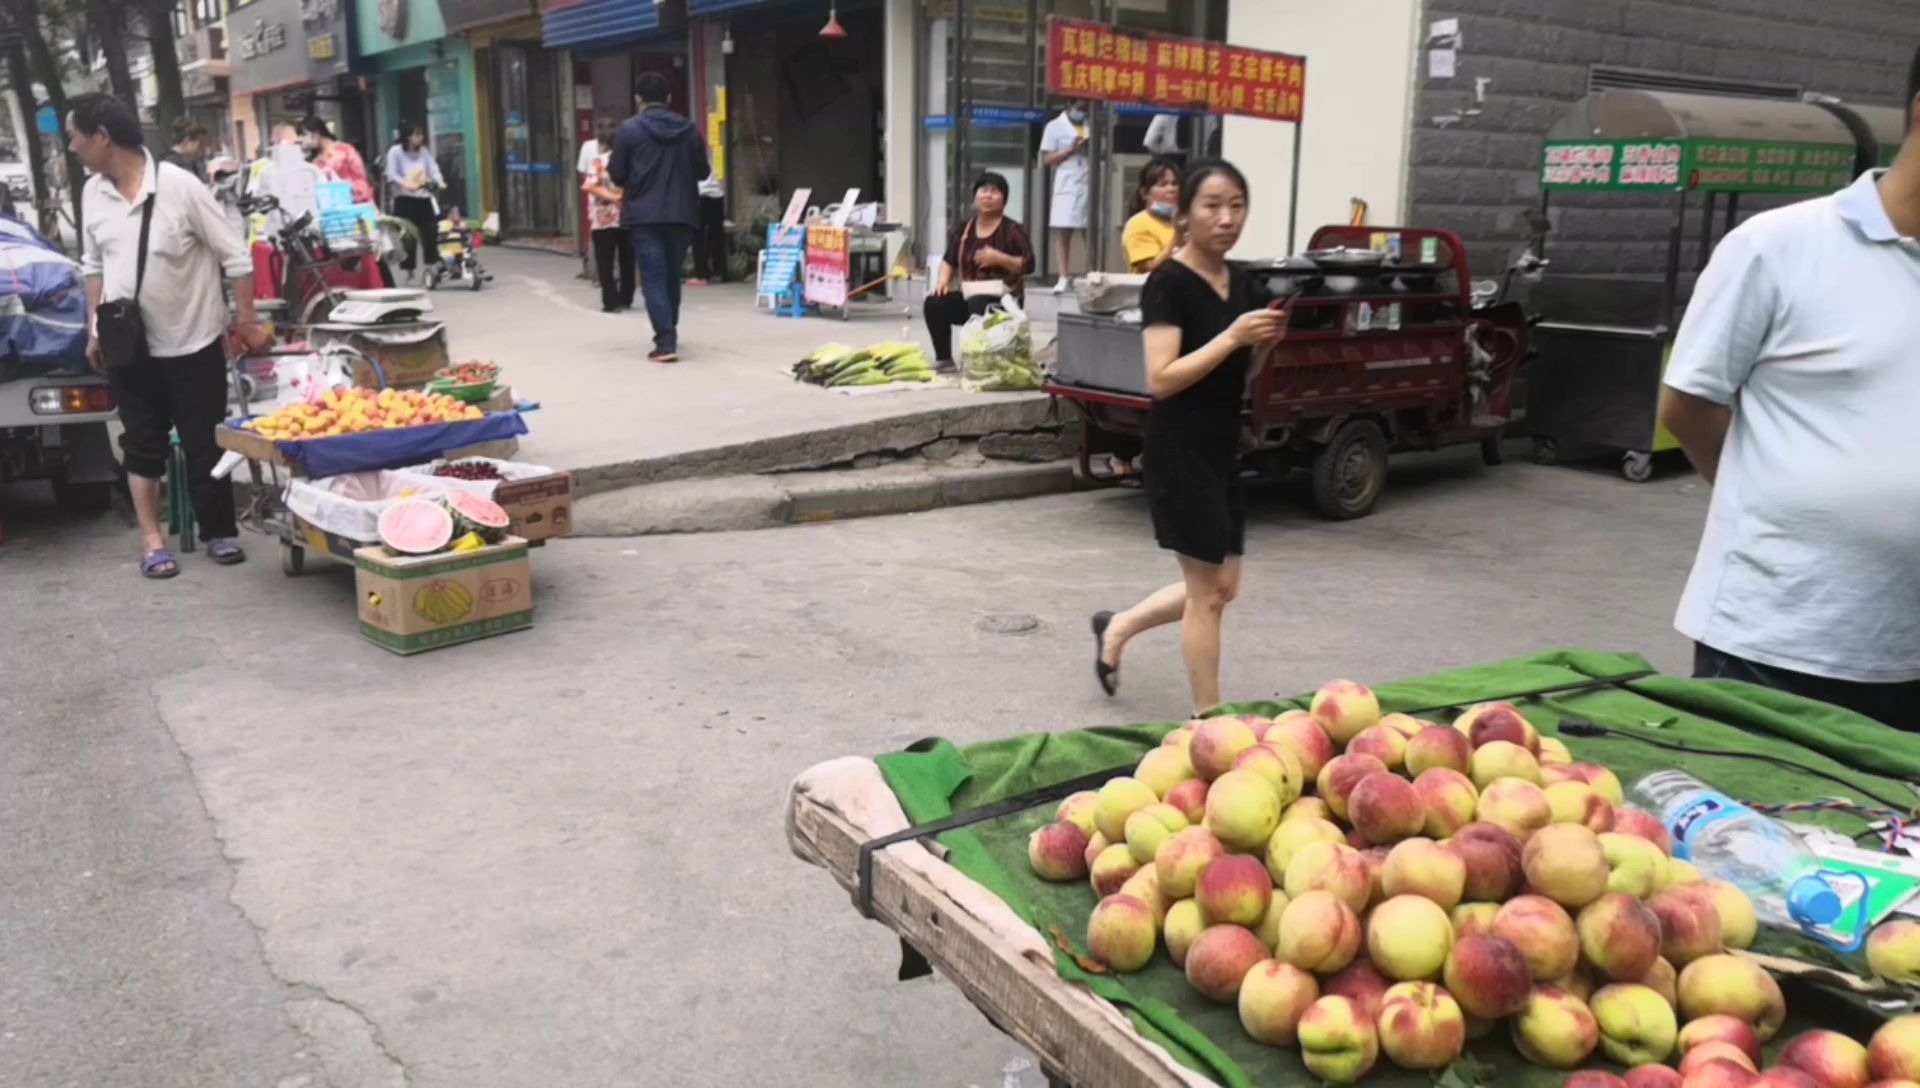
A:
1726	166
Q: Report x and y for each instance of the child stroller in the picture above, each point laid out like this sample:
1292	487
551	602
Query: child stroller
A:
460	242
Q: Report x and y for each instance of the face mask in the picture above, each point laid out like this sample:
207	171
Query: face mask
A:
1077	116
1164	211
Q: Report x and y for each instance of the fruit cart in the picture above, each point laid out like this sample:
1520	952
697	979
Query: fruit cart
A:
1389	348
1603	341
942	845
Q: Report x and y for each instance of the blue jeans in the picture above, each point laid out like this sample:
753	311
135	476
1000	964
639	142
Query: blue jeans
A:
658	250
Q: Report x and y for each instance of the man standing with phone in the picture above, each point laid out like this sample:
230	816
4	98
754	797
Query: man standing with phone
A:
155	246
1064	147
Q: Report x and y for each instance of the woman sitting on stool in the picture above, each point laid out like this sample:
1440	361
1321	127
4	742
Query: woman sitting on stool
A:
986	257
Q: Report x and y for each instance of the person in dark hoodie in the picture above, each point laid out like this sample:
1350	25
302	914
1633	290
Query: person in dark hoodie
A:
658	161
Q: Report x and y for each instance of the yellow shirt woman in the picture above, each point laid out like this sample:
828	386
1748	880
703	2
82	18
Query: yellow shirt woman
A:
1147	239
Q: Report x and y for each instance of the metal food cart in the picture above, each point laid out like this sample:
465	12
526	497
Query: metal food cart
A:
1603	341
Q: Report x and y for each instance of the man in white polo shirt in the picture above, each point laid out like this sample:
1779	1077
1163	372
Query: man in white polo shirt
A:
1794	387
176	381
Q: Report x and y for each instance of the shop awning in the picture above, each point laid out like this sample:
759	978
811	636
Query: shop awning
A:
589	24
700	8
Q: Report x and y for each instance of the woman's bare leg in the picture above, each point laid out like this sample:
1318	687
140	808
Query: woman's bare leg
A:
1161	607
1210	589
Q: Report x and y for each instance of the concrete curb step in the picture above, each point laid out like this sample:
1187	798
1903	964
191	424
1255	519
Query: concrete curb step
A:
732	503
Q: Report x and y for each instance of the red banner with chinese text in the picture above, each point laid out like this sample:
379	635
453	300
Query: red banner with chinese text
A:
1093	60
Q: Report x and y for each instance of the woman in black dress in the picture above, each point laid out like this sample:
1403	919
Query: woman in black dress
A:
1202	324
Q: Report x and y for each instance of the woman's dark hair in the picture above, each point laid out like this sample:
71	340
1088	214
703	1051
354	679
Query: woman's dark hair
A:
186	128
652	88
1199	172
93	113
315	125
1150	175
990	180
407	129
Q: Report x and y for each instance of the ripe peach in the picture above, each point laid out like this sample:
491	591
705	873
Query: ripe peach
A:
1163	768
1543	932
1296	731
1491	722
1273	997
1220	958
1619	936
1702	1053
1632	821
1077	810
1363	982
1473	919
1426	868
1217	743
1515	804
1183	858
1119	799
1318	933
1408	938
1576	803
1184	924
1280	767
1190	797
1492	854
1376	868
1555	1029
1720	1028
1149	828
1576	982
1689	924
1112	868
1894	1051
1604	782
1338	1043
1421	1026
1094	845
1269	928
1058	851
1382	742
1181	736
1438	746
1636	1024
1662	978
1893	948
1635	866
1782	1076
1564	863
1344	708
1259	723
1718	1073
1895	1084
1339	777
1502	759
1242	810
1330	867
1553	752
1120	933
1145	886
1653	1076
1739	924
1406	725
1680	873
1488	976
1448	798
1307	808
1291	836
1234	890
1736	986
1385	809
1829	1057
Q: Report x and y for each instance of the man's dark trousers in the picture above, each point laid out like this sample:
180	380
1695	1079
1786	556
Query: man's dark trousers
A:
658	250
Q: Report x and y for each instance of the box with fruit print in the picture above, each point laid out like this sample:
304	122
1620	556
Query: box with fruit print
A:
410	604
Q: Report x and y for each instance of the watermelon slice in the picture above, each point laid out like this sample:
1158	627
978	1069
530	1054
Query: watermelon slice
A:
474	514
416	527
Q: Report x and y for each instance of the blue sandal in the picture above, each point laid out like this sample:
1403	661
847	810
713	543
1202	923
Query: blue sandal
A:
159	563
225	551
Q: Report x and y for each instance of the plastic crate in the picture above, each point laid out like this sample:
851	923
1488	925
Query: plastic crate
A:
334	194
339	223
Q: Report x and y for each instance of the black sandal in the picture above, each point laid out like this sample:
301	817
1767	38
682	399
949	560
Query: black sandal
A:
1108	675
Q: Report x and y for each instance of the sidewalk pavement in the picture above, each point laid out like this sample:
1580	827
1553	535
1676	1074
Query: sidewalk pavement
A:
728	406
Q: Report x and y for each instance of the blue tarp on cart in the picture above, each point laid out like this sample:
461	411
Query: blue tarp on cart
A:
396	448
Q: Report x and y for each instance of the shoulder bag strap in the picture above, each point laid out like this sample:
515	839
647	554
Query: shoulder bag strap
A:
146	225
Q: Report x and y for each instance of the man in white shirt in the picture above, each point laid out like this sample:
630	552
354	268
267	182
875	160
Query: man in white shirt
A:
179	381
1792	387
1064	147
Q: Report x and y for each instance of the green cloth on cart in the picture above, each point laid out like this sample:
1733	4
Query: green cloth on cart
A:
941	780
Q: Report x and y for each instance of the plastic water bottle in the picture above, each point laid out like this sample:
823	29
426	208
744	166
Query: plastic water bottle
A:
1728	841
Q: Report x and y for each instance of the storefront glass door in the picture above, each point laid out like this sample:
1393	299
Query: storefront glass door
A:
533	142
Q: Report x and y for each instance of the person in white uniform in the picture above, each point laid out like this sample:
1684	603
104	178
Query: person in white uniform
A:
1064	147
1792	388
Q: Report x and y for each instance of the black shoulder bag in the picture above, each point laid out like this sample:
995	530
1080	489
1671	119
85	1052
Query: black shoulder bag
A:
118	324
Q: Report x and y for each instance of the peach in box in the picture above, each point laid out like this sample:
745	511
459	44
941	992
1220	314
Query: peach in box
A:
1576	803
1182	926
1280	767
1636	1024
1438	746
1720	1028
1242	810
1492	854
1490	722
1294	835
1619	936
1488	976
1382	742
1631	821
1118	799
1339	777
1111	868
1425	868
1515	804
1555	1029
1058	851
1543	932
1120	933
1503	759
1163	768
1296	731
1385	809
1217	742
1077	809
1151	827
1894	1051
1331	867
1829	1057
1183	858
1219	959
1893	949
1689	923
1449	799
1564	862
1190	797
1318	933
1735	986
1408	937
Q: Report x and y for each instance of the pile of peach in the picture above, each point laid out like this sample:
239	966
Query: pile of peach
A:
1359	884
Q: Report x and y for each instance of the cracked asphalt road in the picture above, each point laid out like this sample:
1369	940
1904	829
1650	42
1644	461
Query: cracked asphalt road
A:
246	848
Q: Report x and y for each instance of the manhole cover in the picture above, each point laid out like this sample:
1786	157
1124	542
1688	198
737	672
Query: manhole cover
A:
1007	623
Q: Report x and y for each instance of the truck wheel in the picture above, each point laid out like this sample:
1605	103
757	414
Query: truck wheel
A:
1350	472
88	498
293	558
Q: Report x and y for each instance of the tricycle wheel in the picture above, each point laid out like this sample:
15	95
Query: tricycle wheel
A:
1350	472
293	558
1637	466
1490	452
1545	451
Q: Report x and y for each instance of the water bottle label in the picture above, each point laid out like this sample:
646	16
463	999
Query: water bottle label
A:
1705	808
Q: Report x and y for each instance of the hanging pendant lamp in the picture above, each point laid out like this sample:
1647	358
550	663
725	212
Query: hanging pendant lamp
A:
833	29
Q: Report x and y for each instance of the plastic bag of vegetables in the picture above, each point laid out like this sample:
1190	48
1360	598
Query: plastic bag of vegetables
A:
996	350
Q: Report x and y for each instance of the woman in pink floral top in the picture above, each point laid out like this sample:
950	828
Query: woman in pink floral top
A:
612	244
337	157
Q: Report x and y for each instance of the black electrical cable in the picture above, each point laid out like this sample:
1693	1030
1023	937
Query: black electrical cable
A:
1579	727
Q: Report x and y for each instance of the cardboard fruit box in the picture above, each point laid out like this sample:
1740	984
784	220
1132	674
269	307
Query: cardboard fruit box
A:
539	500
413	603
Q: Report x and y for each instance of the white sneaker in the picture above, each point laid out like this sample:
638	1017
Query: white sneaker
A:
1060	285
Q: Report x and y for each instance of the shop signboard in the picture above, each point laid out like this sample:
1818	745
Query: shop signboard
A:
827	265
281	43
1743	166
1114	64
467	14
786	248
